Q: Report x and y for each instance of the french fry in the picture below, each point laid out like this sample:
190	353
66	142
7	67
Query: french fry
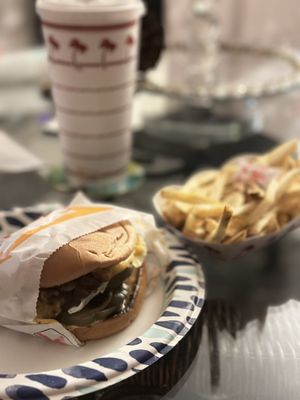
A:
268	220
200	232
235	199
289	163
204	191
285	182
208	210
255	191
184	196
238	237
200	179
217	188
211	225
243	216
239	186
230	168
184	207
276	157
283	218
289	201
193	227
220	232
244	209
173	214
294	187
273	225
264	205
236	224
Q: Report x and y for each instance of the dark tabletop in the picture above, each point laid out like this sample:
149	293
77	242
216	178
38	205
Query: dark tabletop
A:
245	343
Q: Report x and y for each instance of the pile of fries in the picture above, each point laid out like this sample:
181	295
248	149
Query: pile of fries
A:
248	196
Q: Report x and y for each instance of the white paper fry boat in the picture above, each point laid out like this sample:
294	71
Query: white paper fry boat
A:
224	251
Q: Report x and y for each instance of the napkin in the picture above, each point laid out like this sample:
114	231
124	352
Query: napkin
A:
14	158
23	66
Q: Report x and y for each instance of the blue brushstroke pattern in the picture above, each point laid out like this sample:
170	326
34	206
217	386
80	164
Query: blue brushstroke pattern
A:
134	342
176	280
190	320
181	304
170	314
186	287
85	373
184	331
197	301
176	248
175	326
162	348
175	264
20	392
185	255
15	222
33	215
143	356
115	364
54	382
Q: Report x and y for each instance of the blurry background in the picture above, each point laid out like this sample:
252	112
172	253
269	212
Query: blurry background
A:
271	22
18	27
264	22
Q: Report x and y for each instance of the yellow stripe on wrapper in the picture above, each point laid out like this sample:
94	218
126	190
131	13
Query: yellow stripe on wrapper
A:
68	214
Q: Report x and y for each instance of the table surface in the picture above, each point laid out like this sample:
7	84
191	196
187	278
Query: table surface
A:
245	343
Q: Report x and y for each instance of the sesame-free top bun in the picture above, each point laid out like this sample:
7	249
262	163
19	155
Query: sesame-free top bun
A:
100	249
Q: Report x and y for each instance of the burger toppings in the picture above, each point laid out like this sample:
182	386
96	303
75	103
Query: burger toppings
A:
95	296
88	298
135	260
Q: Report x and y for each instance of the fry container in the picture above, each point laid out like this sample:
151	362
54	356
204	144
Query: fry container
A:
221	251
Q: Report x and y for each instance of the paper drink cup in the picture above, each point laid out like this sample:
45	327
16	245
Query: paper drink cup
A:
93	48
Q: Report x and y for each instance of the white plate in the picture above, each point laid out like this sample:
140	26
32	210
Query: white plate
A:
34	369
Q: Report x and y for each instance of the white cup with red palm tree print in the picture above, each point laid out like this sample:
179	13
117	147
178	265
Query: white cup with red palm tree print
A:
93	48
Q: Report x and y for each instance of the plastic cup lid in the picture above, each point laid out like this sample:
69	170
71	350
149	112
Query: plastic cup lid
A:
88	5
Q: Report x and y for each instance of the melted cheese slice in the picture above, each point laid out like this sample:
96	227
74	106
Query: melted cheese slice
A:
135	260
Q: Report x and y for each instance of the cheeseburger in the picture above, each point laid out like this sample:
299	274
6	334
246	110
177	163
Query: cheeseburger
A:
95	284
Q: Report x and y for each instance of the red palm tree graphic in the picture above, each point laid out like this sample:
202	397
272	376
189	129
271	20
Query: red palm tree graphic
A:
53	43
78	47
107	46
129	42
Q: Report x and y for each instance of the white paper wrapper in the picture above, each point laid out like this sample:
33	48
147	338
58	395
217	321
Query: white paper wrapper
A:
14	158
225	251
23	254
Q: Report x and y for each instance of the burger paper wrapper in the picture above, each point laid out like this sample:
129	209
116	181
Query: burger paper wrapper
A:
221	251
22	256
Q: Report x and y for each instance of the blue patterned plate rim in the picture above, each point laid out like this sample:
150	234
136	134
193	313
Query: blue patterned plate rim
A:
184	297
